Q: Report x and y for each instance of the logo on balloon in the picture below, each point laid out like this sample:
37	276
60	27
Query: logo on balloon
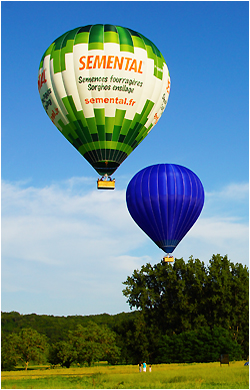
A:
110	62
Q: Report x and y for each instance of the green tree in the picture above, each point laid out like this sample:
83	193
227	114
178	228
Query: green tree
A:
110	350
200	345
171	297
62	353
86	345
182	297
136	343
9	357
31	346
227	298
125	340
94	343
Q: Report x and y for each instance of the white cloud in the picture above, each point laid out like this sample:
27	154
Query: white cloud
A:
226	236
71	247
233	191
50	217
62	241
229	201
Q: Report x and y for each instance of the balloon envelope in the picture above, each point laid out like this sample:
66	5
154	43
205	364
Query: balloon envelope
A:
104	87
165	200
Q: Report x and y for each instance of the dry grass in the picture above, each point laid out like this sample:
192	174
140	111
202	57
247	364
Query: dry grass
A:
163	376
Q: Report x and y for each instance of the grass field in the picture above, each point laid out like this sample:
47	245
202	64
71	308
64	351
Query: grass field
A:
163	376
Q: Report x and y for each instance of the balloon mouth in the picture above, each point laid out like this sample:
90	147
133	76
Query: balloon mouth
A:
105	162
105	167
168	246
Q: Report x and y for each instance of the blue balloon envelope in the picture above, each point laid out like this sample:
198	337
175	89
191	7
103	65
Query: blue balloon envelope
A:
165	200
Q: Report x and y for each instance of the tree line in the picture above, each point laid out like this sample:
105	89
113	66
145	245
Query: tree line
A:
183	312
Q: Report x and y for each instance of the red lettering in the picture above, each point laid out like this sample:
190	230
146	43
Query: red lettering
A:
118	63
128	60
168	87
140	66
110	62
53	115
82	62
156	118
41	80
106	100
99	62
89	62
133	66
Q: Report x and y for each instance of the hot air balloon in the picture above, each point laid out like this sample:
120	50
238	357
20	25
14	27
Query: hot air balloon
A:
104	87
165	200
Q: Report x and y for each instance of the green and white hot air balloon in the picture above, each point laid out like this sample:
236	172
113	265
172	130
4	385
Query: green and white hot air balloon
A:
104	87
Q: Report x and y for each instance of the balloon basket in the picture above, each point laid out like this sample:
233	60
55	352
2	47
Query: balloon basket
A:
168	259
105	183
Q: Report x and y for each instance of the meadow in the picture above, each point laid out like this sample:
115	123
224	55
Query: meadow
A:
163	376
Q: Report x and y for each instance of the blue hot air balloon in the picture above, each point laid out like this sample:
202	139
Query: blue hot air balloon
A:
165	200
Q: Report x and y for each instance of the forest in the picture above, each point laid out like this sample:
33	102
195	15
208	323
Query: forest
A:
182	312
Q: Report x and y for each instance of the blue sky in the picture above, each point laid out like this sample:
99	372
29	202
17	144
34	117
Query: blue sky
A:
66	247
